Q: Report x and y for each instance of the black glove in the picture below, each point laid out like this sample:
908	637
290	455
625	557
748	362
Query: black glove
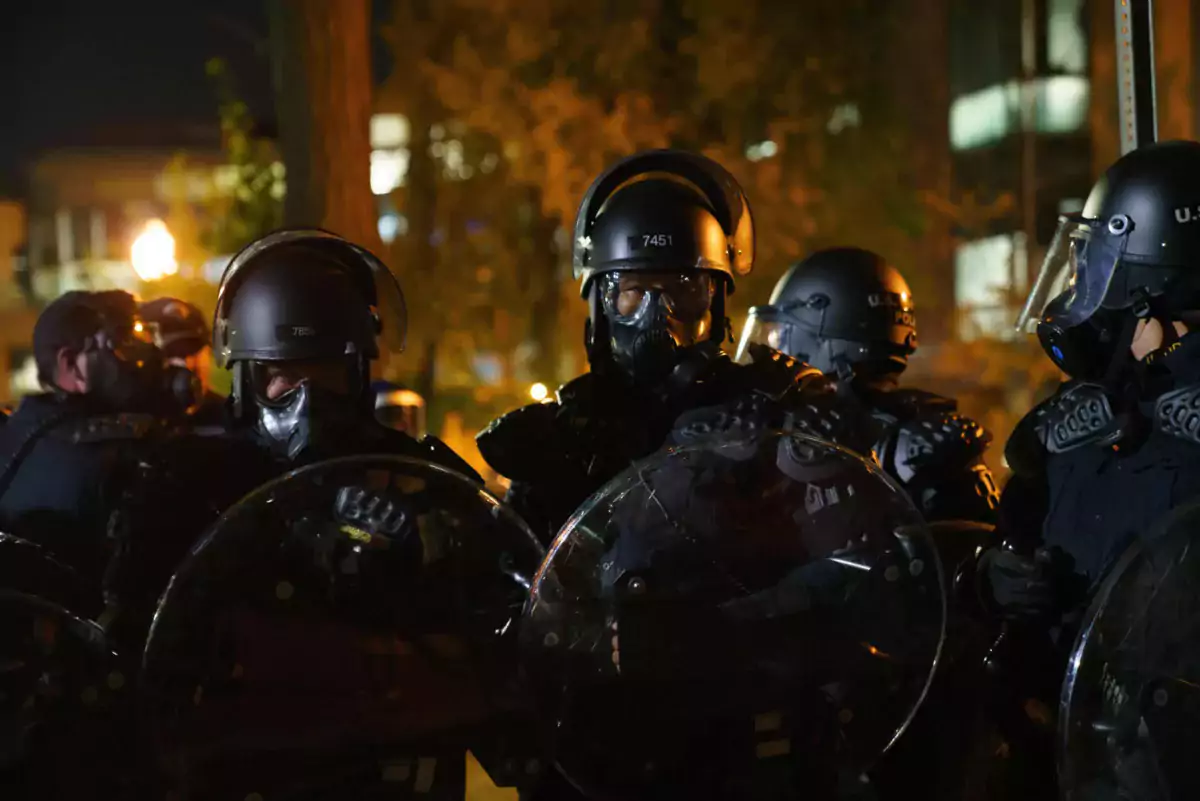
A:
1016	586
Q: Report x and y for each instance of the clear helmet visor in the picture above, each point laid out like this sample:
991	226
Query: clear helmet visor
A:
1076	273
763	327
631	297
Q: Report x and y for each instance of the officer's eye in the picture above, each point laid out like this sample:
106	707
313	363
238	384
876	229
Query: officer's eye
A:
629	299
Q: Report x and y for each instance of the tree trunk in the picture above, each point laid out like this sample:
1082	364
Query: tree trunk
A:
322	75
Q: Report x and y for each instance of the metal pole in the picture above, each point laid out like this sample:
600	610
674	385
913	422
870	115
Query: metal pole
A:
1135	73
1023	259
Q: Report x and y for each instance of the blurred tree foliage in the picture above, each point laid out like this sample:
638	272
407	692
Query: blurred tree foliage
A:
548	93
249	202
815	113
787	101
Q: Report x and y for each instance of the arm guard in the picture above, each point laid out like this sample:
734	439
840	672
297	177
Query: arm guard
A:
939	461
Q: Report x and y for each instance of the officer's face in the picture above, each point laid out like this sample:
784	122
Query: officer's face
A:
687	297
282	378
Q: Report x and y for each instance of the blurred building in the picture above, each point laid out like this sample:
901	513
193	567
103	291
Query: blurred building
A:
16	316
1033	122
84	209
1020	94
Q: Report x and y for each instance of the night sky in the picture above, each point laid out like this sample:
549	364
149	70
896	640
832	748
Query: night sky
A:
75	70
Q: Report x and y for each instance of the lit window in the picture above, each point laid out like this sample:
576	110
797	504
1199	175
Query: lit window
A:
1062	103
1066	44
389	131
844	116
762	150
983	117
984	273
388	168
391	226
989	115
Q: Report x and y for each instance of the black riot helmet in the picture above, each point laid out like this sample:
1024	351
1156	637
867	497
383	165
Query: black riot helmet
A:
839	309
659	238
296	299
1134	250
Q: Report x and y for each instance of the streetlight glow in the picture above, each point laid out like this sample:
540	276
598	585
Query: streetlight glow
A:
539	392
153	252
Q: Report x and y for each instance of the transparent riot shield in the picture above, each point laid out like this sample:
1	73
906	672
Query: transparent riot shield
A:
1130	710
348	630
751	616
28	568
64	716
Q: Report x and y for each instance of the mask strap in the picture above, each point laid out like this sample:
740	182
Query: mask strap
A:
1121	356
1156	308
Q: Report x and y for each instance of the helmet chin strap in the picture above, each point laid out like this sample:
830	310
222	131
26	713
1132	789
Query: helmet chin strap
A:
1122	356
1146	308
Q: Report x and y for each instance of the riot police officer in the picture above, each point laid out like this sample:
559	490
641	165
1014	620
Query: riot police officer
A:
298	317
181	333
63	452
849	313
659	241
1118	445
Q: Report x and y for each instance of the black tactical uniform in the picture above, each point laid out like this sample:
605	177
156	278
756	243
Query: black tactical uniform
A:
1115	449
305	299
659	240
64	456
849	313
1118	446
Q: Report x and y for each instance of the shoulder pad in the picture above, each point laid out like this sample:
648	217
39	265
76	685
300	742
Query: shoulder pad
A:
775	374
1074	417
106	428
510	442
944	439
1177	413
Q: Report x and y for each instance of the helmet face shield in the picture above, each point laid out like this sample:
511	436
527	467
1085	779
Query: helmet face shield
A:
764	326
1076	273
630	297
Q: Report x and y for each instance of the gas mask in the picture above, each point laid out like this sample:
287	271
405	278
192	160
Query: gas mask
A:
306	424
1079	333
1085	350
133	377
653	319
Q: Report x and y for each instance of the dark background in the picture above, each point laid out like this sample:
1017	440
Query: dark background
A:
81	72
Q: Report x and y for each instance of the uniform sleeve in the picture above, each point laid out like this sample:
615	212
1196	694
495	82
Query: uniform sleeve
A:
1024	505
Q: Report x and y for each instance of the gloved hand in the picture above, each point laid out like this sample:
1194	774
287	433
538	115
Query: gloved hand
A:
1016	586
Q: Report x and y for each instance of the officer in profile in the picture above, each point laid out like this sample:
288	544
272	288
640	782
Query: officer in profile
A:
849	313
181	333
63	452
